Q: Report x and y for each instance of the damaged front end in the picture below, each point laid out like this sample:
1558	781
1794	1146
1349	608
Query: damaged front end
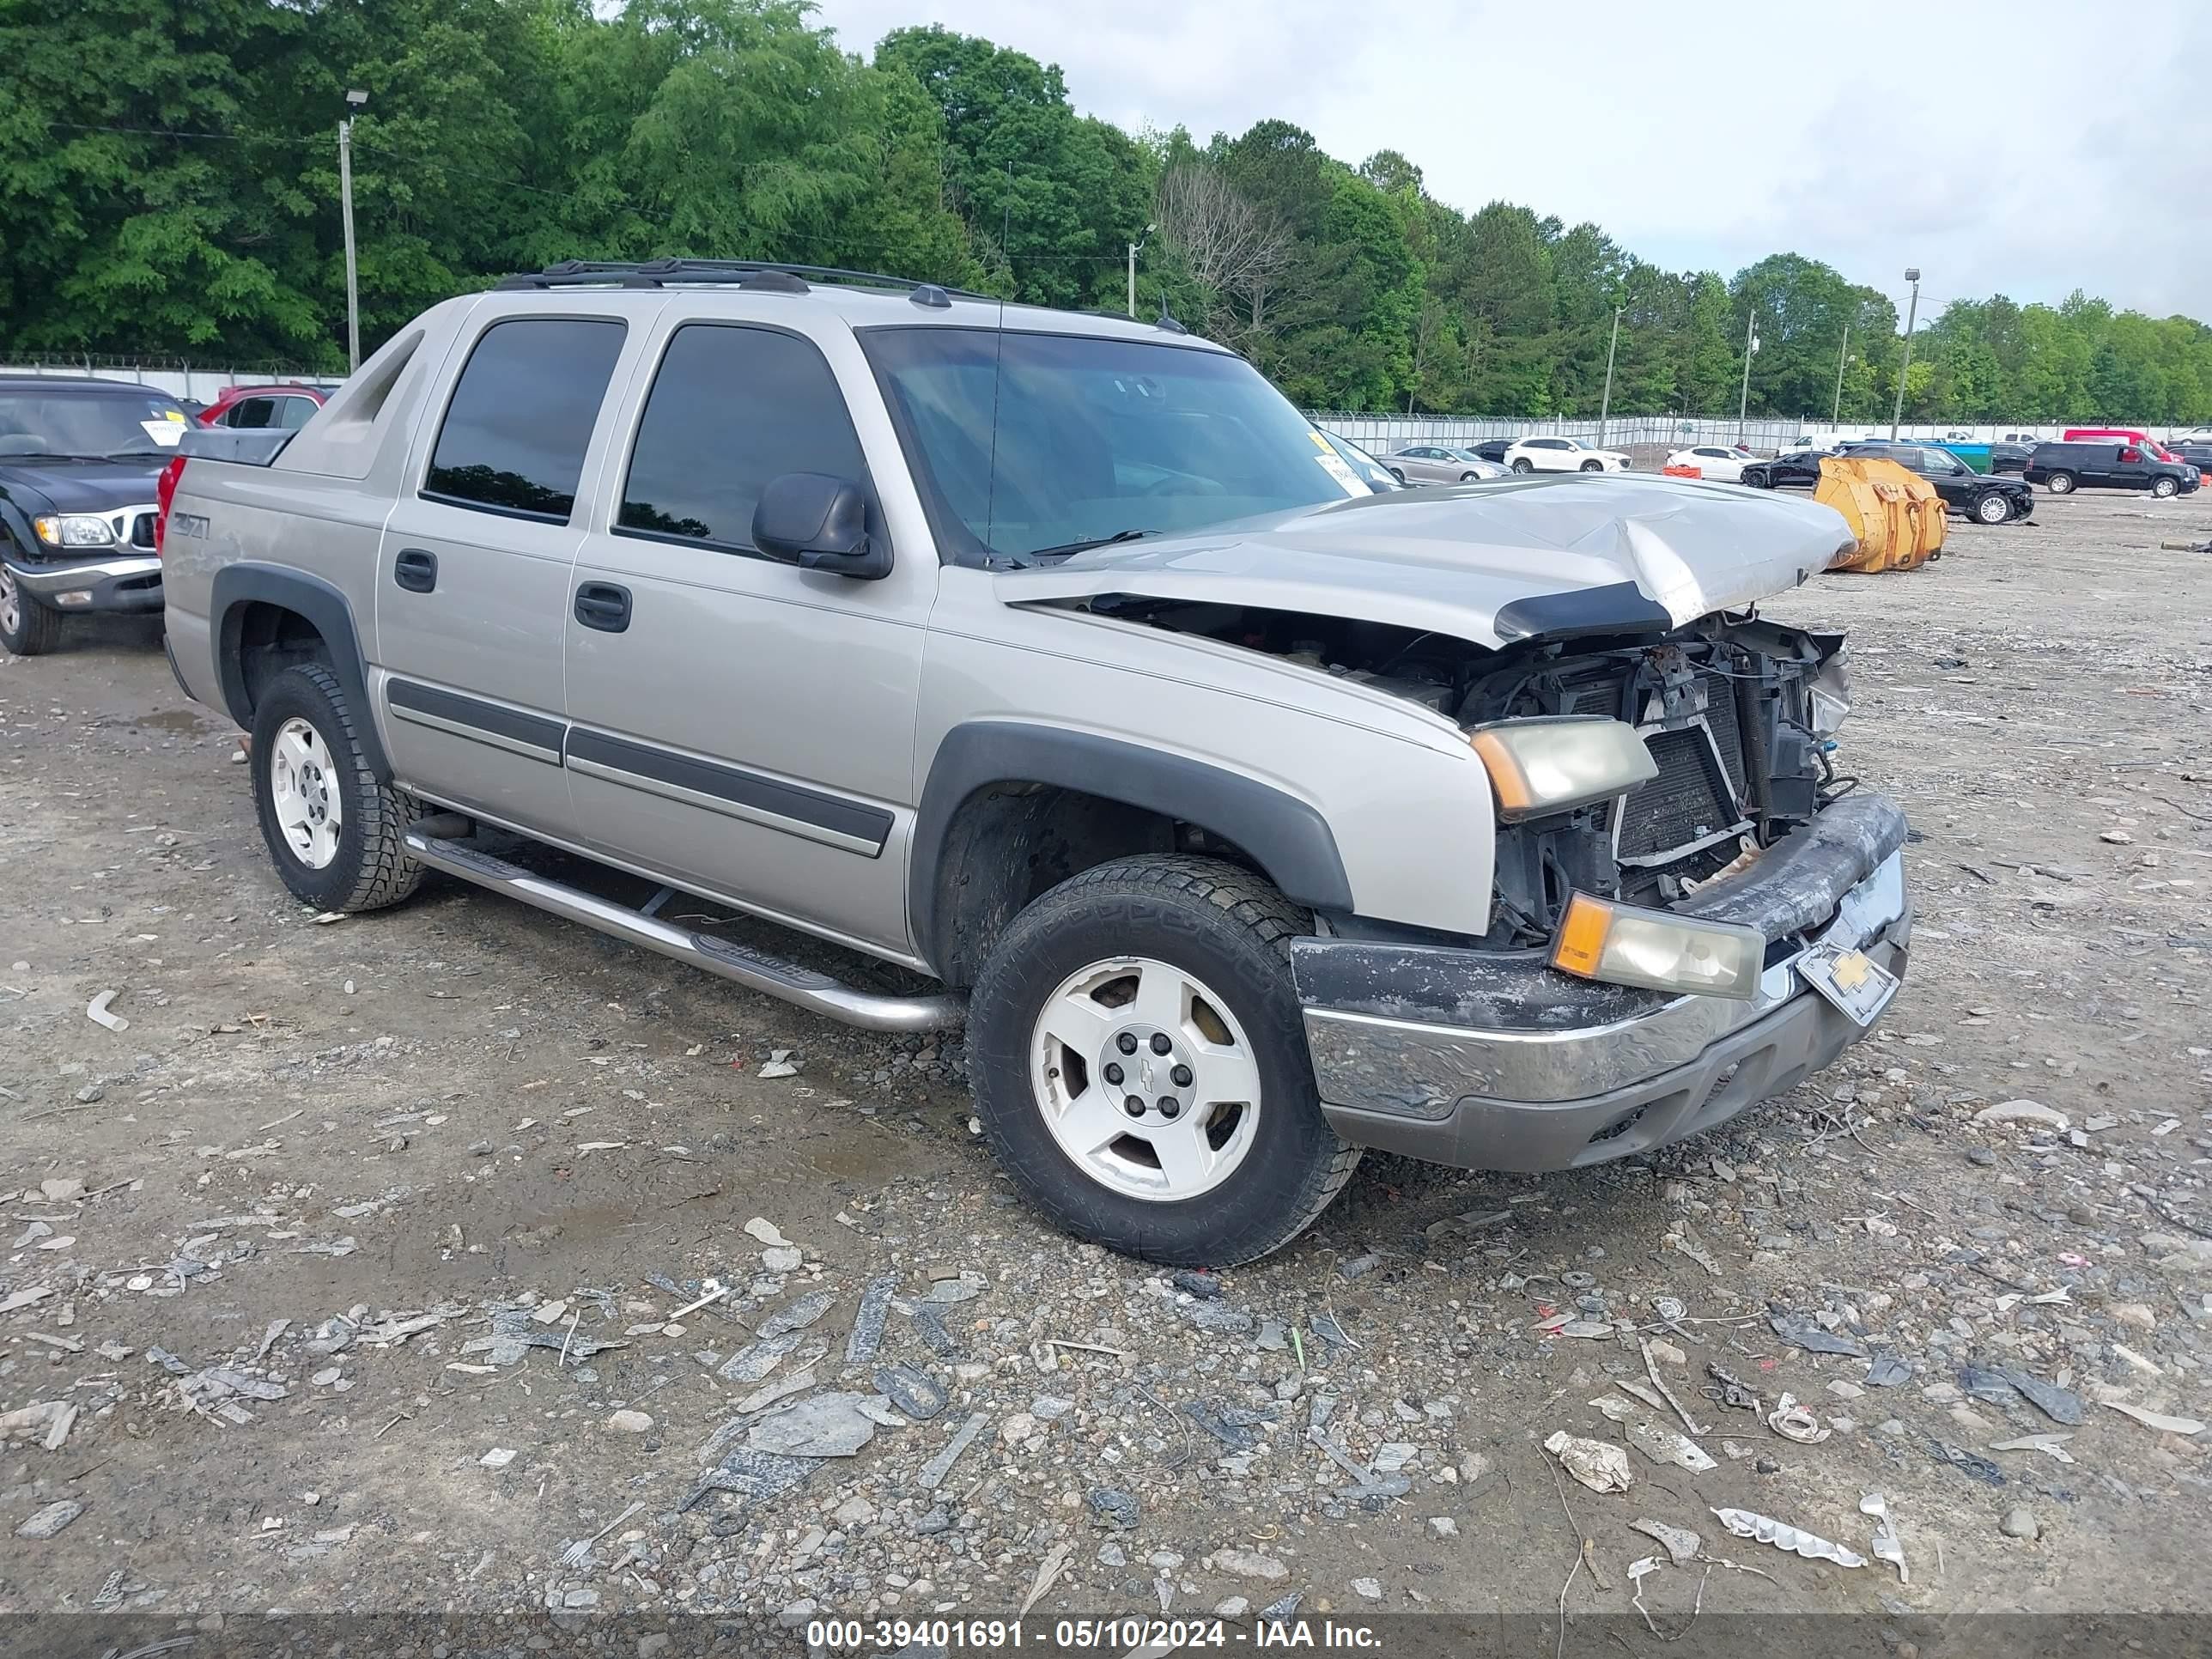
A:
1692	910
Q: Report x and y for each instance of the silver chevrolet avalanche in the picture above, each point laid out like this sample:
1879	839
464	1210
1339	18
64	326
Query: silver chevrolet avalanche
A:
1062	676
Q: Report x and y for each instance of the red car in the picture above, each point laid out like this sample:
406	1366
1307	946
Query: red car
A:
284	406
2098	435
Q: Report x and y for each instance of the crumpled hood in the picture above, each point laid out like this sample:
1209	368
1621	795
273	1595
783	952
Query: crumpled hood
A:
62	483
1450	560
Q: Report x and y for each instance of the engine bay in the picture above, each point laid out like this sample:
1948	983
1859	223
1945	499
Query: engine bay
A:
1726	707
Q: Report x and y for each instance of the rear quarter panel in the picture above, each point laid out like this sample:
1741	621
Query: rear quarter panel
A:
320	507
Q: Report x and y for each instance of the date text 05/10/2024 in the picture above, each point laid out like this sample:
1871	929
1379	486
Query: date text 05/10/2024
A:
1118	1634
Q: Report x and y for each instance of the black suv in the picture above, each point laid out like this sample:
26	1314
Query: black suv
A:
79	463
1982	497
1986	500
2065	468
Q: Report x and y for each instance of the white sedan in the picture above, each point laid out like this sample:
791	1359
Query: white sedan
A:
1562	455
1723	464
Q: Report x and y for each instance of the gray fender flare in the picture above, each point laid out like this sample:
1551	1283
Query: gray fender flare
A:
237	586
1291	841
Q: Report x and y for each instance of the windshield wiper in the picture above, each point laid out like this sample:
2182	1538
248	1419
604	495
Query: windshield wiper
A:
1066	548
156	452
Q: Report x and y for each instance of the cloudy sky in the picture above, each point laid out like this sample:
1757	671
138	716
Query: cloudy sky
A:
2030	146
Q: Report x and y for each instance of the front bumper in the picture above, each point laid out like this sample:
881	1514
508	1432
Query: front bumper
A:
1487	1060
126	581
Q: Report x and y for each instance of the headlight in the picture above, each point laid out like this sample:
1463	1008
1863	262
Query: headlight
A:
1832	697
74	529
1555	763
1623	945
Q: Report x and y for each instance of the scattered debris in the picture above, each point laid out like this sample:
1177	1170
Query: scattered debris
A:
2055	1444
1680	1543
913	1392
822	1425
2157	1419
1800	1332
46	1522
935	1471
1886	1545
1598	1464
2023	1111
1792	1422
1765	1529
96	1011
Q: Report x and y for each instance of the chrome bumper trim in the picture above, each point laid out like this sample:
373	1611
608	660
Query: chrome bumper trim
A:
46	579
1419	1070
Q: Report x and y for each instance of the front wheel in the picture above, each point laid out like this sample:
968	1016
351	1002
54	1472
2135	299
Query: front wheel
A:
2060	484
1593	466
1140	1066
1992	508
2163	488
1522	463
27	628
334	831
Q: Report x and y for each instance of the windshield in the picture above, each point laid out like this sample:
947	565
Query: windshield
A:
1030	444
1369	472
89	423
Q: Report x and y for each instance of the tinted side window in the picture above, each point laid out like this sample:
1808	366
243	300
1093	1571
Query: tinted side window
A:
521	418
251	412
732	407
295	412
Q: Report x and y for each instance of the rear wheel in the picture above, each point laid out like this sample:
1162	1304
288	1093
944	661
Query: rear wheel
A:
1522	463
1992	508
333	830
1140	1065
27	628
2060	484
2163	488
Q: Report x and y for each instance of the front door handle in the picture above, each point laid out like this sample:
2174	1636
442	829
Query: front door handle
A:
602	605
416	570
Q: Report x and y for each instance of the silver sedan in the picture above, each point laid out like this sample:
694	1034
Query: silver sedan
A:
1437	463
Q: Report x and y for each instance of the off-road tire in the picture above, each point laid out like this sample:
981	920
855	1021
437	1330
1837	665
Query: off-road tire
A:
37	630
2165	489
2060	484
1232	929
1992	508
372	869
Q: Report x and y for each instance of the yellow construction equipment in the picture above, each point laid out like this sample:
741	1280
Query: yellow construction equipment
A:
1897	516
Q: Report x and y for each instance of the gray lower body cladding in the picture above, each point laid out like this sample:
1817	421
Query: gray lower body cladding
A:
1494	1060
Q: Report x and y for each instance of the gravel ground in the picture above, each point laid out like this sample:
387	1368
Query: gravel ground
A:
378	1263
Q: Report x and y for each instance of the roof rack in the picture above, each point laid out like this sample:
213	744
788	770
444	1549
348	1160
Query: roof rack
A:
658	273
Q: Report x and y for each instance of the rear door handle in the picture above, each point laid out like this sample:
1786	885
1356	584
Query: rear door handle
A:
416	570
602	605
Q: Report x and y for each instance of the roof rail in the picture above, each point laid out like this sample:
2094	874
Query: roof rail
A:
658	273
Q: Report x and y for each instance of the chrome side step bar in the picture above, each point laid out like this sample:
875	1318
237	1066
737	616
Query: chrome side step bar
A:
754	969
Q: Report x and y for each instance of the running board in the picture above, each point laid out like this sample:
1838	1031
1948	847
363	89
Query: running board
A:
754	969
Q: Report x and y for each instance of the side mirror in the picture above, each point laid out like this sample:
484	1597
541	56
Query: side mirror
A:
818	523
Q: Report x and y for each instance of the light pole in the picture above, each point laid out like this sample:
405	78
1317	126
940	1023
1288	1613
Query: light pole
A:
1605	404
1750	348
1135	248
1911	314
354	98
1843	357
